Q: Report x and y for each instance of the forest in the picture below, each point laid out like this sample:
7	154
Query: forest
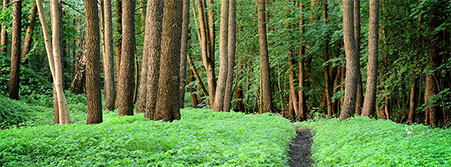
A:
225	83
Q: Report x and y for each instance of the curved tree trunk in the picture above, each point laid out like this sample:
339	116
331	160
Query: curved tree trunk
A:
167	108
223	60
369	105
127	66
264	60
15	51
93	93
152	47
28	34
352	63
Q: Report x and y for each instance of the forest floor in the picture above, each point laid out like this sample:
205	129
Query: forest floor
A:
300	149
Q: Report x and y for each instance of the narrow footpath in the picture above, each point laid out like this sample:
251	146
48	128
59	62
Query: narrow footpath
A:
300	149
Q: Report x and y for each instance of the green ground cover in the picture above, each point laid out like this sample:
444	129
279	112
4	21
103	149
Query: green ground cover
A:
362	141
201	138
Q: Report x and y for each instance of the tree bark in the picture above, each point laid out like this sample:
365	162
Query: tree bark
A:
326	68
411	115
228	95
194	101
264	60
4	36
117	50
108	57
184	51
93	88
359	94
196	75
152	47
15	51
223	59
127	66
79	79
352	63
167	108
28	35
369	105
302	105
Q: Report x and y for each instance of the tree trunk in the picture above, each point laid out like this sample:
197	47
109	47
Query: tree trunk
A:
117	50
78	81
196	75
359	94
369	105
4	36
264	62
352	63
108	57
28	35
167	108
15	51
326	68
302	105
93	88
152	46
127	66
411	115
194	101
223	60
184	51
230	55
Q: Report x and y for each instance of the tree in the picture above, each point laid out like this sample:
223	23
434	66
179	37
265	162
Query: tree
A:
28	34
223	60
127	66
108	57
4	36
117	46
15	51
184	51
369	104
167	108
359	93
264	62
228	95
92	54
352	63
302	104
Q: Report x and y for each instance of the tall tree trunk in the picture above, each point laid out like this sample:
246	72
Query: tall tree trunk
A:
196	75
28	34
302	104
108	57
78	81
431	87
93	93
326	68
223	60
184	51
117	50
264	60
207	56
127	66
411	115
352	63
369	105
211	27
152	47
359	95
228	95
4	36
15	51
167	108
194	101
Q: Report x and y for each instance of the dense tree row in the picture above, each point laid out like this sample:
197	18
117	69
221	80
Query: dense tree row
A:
380	58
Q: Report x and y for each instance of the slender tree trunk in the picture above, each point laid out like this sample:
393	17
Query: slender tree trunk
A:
127	66
184	51
28	34
223	60
411	115
4	36
78	81
264	62
15	51
352	63
167	108
302	105
211	27
369	105
359	95
118	50
108	57
93	93
196	75
194	101
152	46
326	68
230	55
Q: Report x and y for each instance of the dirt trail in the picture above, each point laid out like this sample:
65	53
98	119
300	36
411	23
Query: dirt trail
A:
300	149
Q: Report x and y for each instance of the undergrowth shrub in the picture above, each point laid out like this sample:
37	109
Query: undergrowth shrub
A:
200	138
361	141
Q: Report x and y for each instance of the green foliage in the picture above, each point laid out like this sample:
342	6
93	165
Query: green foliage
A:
201	138
361	141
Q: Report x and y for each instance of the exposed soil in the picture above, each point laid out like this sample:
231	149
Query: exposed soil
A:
300	149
